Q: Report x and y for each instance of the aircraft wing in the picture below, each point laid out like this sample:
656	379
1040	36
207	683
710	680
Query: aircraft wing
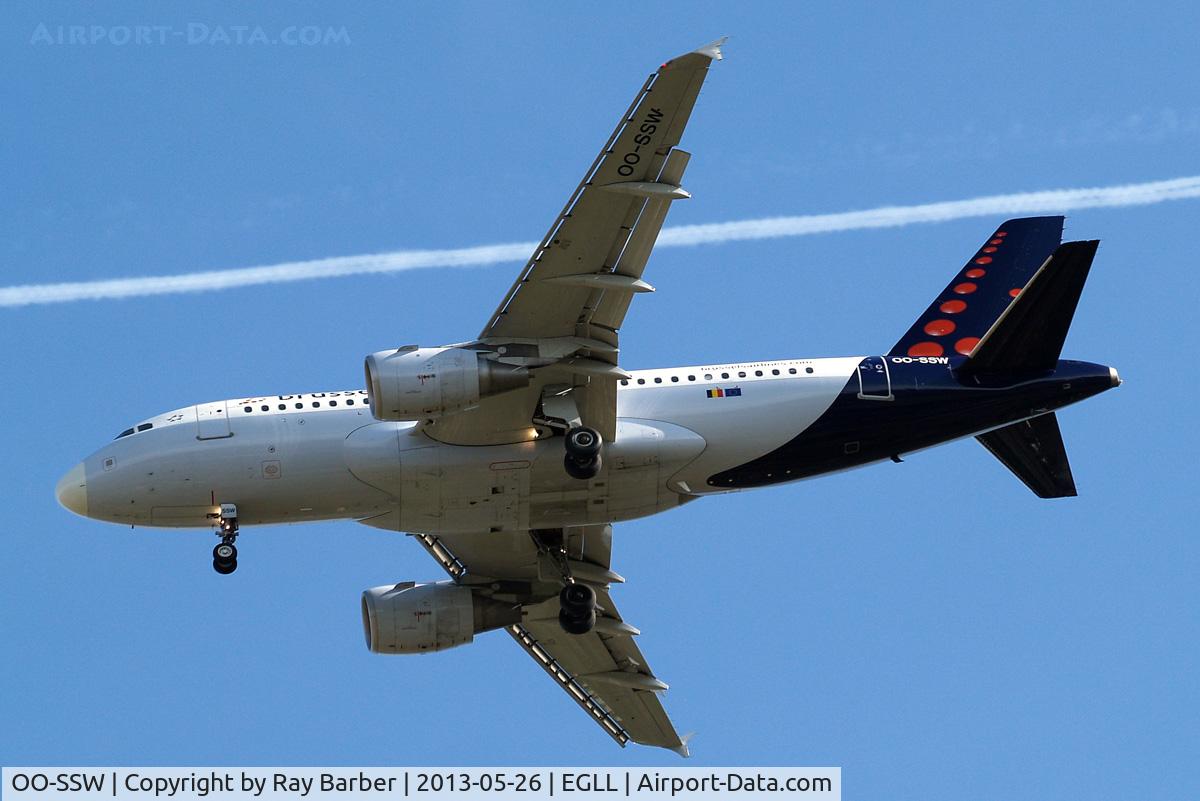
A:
563	312
603	671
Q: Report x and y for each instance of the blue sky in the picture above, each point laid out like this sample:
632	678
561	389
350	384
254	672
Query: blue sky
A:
931	627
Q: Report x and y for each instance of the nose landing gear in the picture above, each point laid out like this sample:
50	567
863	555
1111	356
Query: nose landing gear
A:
225	553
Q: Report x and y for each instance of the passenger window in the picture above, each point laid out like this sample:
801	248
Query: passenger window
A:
266	408
145	426
350	402
758	372
691	378
641	381
316	404
741	373
333	403
674	379
792	370
808	369
708	376
282	406
774	372
624	382
299	405
247	409
724	375
658	380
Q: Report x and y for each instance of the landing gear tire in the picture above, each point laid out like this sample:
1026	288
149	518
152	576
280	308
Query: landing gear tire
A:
583	452
225	558
577	625
583	442
577	597
578	612
582	469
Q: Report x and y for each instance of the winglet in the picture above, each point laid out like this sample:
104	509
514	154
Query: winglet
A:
712	49
682	748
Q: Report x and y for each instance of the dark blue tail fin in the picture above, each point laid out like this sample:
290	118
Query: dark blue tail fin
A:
1029	335
984	288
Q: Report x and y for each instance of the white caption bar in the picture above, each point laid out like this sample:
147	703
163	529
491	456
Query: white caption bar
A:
427	784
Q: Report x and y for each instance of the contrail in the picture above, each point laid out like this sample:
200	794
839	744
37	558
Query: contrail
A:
1056	200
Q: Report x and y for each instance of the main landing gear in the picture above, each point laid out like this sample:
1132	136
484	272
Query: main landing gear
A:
225	553
583	452
577	614
577	600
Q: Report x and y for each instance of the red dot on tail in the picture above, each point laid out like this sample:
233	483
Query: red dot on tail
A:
966	345
939	328
926	349
990	250
995	241
965	288
976	272
1014	291
1002	233
984	260
952	306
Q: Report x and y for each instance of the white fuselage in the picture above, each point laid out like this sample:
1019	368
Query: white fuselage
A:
320	456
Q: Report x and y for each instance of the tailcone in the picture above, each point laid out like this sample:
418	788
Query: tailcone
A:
1084	379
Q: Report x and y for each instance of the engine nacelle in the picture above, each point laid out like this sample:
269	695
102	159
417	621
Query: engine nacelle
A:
410	618
416	383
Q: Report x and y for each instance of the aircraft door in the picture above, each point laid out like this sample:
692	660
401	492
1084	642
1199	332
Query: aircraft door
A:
212	421
874	381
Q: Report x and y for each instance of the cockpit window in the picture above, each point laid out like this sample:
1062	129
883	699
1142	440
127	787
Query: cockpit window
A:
124	433
145	426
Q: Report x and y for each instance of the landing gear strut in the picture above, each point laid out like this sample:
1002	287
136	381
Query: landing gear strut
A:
225	553
577	601
583	452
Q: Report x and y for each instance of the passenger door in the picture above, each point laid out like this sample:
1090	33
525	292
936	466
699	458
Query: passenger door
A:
212	421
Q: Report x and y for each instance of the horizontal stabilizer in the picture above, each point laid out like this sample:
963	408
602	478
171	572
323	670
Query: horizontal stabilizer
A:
1033	450
1029	335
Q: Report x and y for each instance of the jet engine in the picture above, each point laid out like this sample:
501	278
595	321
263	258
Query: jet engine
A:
411	618
416	383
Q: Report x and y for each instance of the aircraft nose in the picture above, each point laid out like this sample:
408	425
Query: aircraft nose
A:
72	491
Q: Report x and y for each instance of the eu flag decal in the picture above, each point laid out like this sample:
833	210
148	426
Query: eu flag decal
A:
722	392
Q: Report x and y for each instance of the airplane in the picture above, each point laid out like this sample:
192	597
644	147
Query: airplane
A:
509	457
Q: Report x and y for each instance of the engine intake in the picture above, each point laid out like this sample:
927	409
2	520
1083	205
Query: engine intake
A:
411	618
416	383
